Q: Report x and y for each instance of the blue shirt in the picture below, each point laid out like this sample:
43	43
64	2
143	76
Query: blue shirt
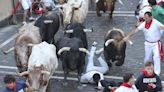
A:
21	84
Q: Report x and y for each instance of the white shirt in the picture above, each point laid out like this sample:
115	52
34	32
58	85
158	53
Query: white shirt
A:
21	90
126	89
87	77
153	33
48	3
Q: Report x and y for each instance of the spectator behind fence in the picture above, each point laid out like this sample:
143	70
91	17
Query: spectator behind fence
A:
148	81
14	86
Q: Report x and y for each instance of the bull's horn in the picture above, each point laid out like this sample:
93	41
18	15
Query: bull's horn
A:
23	73
87	30
58	6
45	72
120	1
119	31
84	50
99	51
69	31
130	42
30	45
63	49
6	52
48	21
108	42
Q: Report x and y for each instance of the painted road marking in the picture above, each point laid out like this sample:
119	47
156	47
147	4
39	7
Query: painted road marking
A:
8	40
58	72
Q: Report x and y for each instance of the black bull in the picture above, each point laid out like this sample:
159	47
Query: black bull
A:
114	49
73	56
49	24
78	32
106	5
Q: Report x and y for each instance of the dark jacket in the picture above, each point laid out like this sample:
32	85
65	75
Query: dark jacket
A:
106	85
143	81
19	86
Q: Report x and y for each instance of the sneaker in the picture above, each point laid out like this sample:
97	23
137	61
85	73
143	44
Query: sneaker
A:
94	43
31	18
24	22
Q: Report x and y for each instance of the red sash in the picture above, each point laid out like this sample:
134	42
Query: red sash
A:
148	24
161	52
126	85
15	88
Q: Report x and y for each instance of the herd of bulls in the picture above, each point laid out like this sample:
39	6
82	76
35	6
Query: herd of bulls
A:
37	52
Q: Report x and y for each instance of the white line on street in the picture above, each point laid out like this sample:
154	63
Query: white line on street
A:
9	40
119	15
56	77
115	12
118	12
61	72
53	77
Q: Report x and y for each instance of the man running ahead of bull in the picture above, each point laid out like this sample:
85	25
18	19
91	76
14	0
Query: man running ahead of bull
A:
153	47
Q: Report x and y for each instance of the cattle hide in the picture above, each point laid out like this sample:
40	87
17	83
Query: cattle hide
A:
42	64
114	49
28	34
75	11
49	24
78	32
104	5
72	58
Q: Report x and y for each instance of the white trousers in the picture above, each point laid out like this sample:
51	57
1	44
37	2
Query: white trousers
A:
162	31
26	4
152	54
103	68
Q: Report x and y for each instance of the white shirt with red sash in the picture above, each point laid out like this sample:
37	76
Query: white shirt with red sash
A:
152	34
125	87
153	46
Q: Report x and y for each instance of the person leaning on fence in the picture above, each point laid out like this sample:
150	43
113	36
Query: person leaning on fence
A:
153	46
128	84
148	81
15	86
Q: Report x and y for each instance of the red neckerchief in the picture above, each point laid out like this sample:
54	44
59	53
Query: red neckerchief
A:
146	74
126	85
14	86
148	24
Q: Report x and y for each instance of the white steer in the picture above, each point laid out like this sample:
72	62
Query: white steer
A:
42	64
75	11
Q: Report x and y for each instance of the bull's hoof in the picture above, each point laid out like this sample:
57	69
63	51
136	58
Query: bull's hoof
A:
65	83
80	87
109	64
98	14
110	17
119	64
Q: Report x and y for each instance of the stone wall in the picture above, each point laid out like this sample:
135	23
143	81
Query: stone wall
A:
6	7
